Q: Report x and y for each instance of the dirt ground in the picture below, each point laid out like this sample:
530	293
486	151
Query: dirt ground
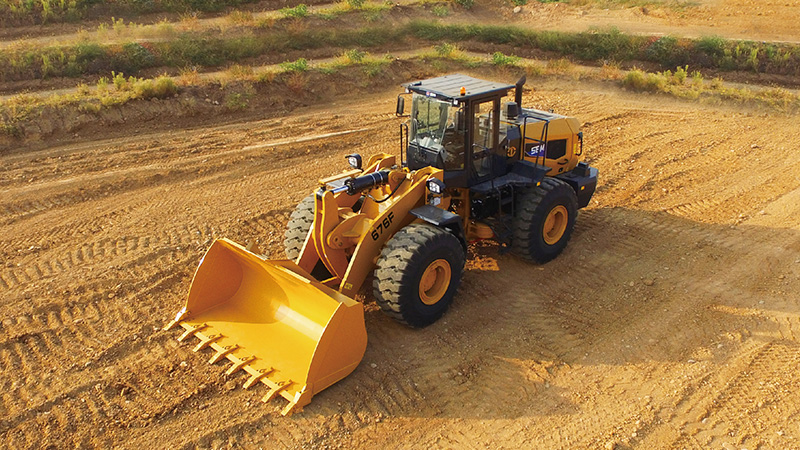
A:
672	320
772	20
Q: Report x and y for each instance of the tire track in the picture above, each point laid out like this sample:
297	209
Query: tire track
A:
95	334
103	251
734	405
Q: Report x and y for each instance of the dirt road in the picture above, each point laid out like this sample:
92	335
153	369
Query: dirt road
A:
671	321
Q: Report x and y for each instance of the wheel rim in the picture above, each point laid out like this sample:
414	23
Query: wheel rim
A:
555	225
435	281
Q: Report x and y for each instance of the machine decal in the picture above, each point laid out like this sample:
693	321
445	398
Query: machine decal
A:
383	225
535	151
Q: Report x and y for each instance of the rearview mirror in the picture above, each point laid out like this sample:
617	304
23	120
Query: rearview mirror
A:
460	123
401	106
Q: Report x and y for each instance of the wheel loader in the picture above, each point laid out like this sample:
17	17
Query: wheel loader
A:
472	167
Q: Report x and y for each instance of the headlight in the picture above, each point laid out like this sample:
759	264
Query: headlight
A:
354	160
436	186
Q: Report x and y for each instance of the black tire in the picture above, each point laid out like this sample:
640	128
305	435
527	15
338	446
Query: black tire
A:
531	241
414	251
297	229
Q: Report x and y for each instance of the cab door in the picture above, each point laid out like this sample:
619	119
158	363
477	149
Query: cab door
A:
485	123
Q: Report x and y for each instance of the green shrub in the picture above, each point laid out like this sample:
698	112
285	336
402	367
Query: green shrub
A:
642	81
119	81
237	100
161	87
666	51
680	74
500	59
355	4
373	68
752	59
134	57
354	56
298	12
301	65
201	50
713	46
445	49
467	4
440	10
600	45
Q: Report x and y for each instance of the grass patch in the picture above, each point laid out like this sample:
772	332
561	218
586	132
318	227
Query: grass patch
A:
196	49
440	10
30	12
300	65
108	92
22	111
297	12
691	85
501	59
371	65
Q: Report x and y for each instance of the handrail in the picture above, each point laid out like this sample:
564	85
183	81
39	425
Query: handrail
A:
403	148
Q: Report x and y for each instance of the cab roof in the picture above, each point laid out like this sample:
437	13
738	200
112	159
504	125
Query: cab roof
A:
448	87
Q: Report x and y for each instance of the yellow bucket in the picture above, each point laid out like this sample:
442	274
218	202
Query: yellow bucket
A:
274	321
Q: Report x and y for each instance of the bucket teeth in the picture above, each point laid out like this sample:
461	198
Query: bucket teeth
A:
206	342
239	365
223	353
255	378
276	388
191	332
178	318
289	409
274	391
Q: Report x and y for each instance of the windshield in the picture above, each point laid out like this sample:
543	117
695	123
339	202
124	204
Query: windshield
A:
430	118
433	127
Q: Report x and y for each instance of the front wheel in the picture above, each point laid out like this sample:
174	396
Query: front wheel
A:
297	229
418	273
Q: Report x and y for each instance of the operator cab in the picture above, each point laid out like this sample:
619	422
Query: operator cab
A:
458	124
454	126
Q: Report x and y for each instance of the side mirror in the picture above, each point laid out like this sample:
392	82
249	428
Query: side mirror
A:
401	106
460	124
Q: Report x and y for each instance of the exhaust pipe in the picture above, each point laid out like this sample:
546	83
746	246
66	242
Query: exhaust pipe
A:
518	90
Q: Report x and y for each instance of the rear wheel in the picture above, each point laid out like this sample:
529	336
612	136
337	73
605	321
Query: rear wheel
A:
544	220
418	273
297	229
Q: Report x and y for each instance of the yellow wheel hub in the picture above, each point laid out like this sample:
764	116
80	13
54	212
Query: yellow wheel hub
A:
434	282
555	224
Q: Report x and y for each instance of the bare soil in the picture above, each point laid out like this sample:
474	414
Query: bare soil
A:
769	20
672	320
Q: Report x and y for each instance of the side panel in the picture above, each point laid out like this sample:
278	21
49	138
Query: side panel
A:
561	150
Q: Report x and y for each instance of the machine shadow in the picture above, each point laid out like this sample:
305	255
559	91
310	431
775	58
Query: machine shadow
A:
633	289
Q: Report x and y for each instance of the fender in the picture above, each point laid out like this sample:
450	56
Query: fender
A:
443	219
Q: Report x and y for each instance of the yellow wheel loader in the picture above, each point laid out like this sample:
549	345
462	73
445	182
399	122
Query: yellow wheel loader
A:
473	168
